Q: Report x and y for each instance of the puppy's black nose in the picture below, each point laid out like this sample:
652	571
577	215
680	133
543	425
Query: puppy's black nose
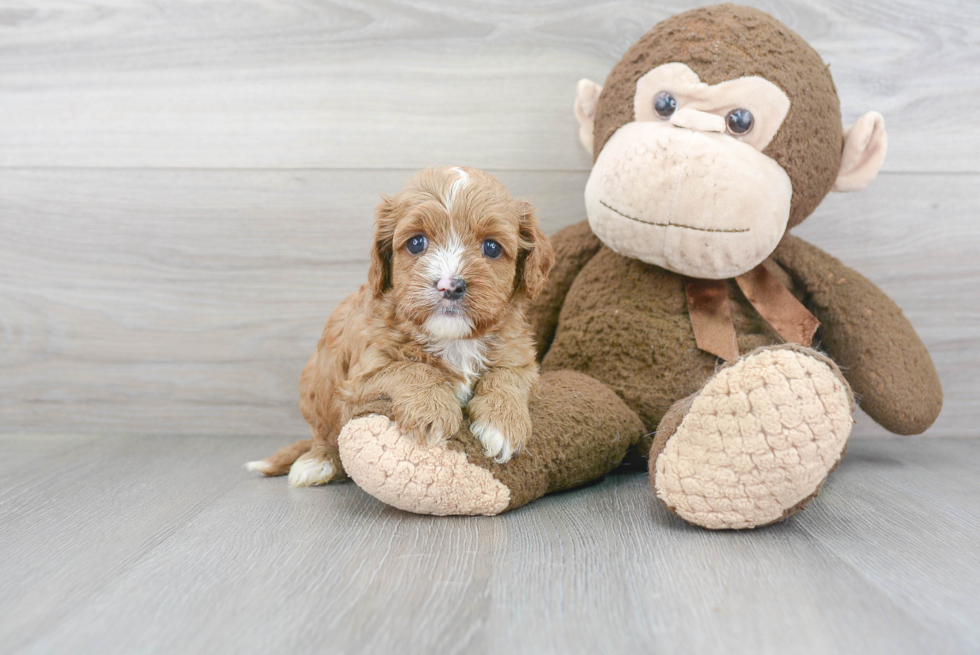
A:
452	289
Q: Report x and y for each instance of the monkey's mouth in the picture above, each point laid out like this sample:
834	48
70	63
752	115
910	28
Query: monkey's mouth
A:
681	225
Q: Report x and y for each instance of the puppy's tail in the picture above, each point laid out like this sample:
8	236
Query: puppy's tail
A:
279	463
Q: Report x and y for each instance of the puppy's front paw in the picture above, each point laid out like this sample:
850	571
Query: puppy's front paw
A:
431	417
502	433
495	444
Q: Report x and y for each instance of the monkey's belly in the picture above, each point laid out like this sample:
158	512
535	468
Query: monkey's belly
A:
625	323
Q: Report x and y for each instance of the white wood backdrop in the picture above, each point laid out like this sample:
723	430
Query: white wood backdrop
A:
186	188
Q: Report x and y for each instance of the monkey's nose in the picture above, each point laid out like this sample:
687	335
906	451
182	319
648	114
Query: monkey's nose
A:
451	288
694	119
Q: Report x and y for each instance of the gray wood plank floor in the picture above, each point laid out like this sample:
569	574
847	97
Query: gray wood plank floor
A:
119	544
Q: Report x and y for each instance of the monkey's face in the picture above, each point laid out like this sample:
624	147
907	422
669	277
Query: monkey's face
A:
715	133
685	186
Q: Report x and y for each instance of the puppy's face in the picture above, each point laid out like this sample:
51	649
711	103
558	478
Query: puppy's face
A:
454	250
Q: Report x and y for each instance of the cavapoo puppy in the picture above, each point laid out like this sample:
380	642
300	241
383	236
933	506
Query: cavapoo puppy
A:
438	329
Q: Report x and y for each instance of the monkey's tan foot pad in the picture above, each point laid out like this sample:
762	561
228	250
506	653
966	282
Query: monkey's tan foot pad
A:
415	477
758	441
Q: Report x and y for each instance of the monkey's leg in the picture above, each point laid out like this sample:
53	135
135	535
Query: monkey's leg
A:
756	443
581	431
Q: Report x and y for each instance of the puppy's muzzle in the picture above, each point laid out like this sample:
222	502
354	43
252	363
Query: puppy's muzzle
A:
451	288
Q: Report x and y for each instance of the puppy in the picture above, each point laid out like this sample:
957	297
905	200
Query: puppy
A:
438	329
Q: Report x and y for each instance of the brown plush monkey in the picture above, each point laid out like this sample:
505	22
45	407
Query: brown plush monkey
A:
717	132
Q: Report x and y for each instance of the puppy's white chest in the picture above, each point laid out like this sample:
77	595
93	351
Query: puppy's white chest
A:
468	357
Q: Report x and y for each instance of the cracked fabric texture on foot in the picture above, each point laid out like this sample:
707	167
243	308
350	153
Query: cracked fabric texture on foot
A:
401	472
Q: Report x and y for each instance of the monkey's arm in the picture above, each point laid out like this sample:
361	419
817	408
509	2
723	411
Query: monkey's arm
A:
574	247
866	333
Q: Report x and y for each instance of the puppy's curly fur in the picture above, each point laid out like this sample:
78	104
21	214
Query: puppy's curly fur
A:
438	328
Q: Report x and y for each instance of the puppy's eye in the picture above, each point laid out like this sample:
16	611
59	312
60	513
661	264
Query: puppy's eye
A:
664	105
417	244
492	249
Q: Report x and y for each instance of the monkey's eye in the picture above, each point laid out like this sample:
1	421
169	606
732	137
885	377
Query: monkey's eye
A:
417	244
739	121
492	249
664	105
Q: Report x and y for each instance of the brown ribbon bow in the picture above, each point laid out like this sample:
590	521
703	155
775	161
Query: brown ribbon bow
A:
711	316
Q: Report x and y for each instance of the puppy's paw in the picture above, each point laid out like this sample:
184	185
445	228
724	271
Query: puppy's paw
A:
431	417
263	466
495	444
312	470
502	433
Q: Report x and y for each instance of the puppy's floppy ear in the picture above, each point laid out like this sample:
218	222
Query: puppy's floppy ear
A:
536	257
379	277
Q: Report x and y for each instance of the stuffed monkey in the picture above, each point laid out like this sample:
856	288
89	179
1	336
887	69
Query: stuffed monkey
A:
682	321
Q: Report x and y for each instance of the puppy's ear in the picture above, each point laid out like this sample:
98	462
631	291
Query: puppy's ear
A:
536	257
379	277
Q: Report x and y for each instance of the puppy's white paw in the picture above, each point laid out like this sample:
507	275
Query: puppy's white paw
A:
311	472
495	444
262	466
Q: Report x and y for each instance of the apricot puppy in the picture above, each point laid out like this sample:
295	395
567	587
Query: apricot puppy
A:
439	329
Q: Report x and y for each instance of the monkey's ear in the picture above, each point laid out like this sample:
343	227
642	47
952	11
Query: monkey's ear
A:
586	101
379	275
865	145
536	257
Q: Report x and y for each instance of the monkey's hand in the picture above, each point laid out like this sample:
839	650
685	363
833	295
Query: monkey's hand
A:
865	332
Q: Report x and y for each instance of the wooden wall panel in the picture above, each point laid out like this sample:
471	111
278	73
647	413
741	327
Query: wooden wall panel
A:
404	84
186	188
161	301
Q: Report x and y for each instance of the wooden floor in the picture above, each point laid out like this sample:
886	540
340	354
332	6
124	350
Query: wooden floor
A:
166	545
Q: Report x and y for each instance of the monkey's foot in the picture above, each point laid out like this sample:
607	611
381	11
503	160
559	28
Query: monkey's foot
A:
756	443
417	477
581	431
